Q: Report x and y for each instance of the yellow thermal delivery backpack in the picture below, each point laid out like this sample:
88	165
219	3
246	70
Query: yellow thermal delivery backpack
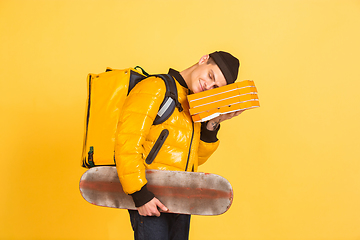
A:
106	94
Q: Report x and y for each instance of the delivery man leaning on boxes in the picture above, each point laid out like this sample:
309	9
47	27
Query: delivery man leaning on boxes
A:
188	144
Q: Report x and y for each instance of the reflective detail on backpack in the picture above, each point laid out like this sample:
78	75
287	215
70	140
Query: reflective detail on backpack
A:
165	107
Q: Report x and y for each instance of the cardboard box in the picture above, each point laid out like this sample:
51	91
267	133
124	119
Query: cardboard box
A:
209	104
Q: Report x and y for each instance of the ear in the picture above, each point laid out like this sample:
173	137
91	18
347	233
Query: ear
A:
204	59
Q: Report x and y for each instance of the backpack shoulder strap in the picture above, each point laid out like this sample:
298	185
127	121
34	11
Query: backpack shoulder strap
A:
171	101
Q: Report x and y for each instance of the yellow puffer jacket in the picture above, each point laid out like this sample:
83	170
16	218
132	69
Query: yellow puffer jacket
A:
182	150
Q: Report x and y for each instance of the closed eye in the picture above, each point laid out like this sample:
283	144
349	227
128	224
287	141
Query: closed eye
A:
211	74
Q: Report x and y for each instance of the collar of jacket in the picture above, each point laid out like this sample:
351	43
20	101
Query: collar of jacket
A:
178	77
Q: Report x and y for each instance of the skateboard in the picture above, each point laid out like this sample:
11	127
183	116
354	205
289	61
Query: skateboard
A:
192	193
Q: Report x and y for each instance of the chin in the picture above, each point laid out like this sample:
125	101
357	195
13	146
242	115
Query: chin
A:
199	89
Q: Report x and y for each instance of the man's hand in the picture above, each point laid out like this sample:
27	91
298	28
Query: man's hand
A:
151	208
214	123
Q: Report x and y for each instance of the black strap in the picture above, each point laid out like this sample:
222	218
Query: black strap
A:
171	89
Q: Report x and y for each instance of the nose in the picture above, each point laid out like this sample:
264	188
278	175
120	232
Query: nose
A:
209	84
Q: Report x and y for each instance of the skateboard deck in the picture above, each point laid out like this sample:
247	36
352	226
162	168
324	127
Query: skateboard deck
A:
181	192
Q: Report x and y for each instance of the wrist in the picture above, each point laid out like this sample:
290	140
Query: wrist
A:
208	135
213	125
142	197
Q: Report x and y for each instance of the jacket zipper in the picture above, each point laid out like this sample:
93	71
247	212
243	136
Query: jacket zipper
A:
85	164
158	144
192	137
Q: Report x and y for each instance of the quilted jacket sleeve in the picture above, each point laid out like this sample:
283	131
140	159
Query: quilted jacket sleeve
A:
138	113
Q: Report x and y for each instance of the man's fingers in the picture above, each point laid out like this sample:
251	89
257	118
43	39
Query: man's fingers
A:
156	213
152	208
150	212
239	112
234	114
161	206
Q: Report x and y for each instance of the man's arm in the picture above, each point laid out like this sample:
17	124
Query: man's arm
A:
139	111
213	124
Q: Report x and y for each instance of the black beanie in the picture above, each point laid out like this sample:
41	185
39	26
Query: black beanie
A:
228	64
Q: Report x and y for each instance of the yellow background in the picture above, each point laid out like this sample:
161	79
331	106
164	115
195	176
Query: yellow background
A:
293	162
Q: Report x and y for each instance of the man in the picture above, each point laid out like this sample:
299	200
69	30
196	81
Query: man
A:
187	146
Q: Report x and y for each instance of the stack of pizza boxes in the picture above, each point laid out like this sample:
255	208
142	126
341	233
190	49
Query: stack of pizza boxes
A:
212	103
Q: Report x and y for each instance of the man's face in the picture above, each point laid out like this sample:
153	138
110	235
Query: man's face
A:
206	76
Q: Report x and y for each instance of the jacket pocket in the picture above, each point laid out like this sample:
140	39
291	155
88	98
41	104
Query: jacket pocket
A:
158	144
